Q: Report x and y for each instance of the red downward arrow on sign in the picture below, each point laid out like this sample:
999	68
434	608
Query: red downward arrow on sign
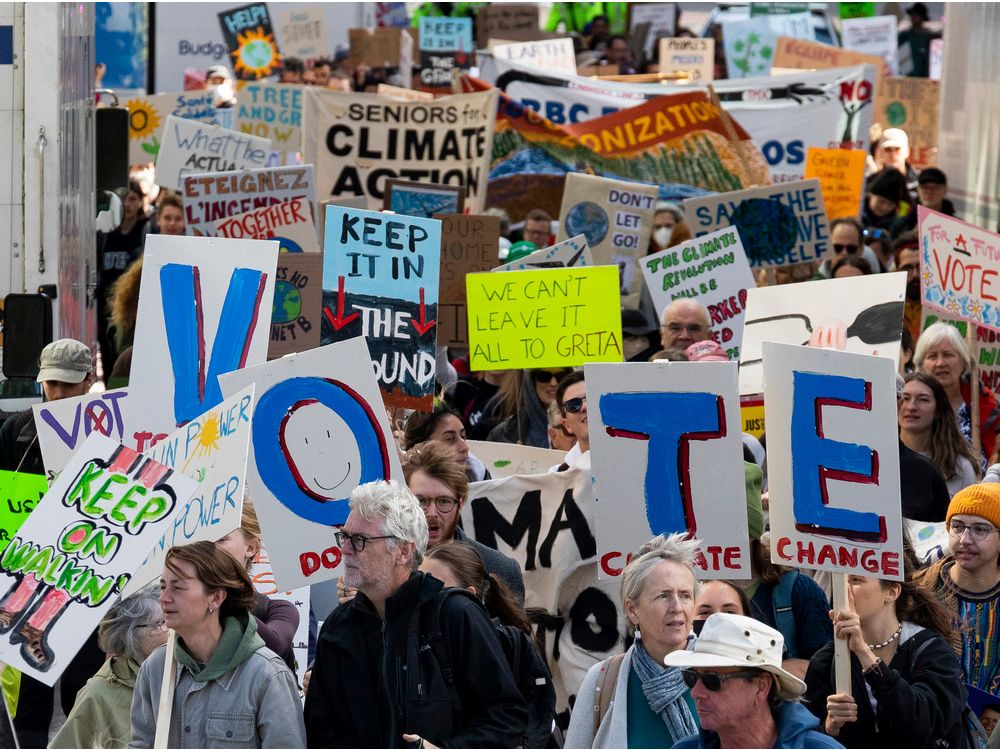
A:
424	325
340	320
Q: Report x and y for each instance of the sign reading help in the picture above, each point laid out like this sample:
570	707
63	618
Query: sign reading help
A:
558	317
833	461
63	425
667	458
249	38
191	147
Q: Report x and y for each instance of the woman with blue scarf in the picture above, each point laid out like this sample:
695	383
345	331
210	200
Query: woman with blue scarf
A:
632	700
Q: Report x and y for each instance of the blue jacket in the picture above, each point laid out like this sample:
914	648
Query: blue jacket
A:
796	728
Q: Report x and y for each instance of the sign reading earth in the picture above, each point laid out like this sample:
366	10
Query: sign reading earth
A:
287	303
589	219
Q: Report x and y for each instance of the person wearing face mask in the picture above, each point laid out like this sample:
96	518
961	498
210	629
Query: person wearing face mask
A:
219	81
718	596
666	216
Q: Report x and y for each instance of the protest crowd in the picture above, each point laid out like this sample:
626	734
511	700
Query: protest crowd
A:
383	517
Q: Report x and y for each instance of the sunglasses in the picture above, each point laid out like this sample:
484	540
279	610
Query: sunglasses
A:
546	376
575	405
712	680
849	249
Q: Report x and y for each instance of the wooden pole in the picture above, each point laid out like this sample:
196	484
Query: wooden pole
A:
841	653
166	694
970	338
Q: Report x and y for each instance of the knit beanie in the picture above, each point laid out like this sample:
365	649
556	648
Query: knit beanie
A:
888	184
752	477
981	500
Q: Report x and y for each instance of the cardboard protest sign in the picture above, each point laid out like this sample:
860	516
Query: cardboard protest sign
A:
912	104
571	253
512	459
63	425
841	175
873	36
833	461
290	223
546	523
666	457
468	245
249	38
203	311
407	95
302	32
712	269
296	313
385	270
790	52
19	494
263	582
212	451
319	430
445	46
546	54
422	198
616	218
749	43
147	114
190	147
78	549
357	141
554	317
272	111
506	21
958	268
859	314
382	47
660	18
220	195
694	58
778	224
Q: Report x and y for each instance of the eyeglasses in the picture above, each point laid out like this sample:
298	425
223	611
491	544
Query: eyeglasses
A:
678	327
849	249
358	541
978	531
713	680
444	504
547	376
160	626
575	405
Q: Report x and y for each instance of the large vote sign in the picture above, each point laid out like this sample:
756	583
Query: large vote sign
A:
78	549
833	461
319	430
385	269
204	309
63	425
667	457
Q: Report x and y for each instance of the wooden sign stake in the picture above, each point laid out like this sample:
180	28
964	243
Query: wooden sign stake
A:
166	694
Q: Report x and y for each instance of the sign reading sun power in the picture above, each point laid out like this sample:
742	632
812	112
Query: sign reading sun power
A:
250	41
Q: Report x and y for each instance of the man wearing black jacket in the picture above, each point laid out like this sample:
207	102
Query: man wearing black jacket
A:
376	680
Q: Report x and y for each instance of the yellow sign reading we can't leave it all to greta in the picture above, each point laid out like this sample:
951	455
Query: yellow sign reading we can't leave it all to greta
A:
553	317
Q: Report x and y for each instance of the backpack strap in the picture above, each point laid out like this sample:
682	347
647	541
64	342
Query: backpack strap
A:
607	683
784	617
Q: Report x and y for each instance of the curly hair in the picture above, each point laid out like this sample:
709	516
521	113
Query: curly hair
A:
124	303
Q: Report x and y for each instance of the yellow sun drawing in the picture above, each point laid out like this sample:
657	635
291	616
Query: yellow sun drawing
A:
208	440
257	54
142	120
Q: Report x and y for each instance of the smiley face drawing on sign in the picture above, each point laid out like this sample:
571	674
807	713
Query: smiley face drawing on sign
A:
315	440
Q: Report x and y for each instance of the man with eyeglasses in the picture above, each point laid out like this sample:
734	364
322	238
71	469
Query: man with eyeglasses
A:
968	581
684	322
743	696
377	681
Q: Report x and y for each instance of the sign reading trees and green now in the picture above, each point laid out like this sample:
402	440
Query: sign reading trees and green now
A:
19	494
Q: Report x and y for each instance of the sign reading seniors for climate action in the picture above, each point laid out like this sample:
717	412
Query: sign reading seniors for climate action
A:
250	40
959	268
19	494
778	224
693	58
712	269
616	218
211	197
545	54
833	461
290	223
873	36
555	317
841	175
147	115
203	311
319	430
273	111
298	304
357	141
667	458
70	560
63	425
468	245
571	253
385	270
190	147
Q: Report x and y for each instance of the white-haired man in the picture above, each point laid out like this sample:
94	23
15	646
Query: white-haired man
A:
684	322
380	677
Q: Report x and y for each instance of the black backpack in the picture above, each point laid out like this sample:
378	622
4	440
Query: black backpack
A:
531	673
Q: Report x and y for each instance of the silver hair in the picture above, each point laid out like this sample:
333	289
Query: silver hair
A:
936	333
685	302
675	548
120	630
398	510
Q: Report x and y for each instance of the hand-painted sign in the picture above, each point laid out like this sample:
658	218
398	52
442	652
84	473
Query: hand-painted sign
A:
302	32
148	114
571	253
272	111
445	46
545	54
469	244
63	425
694	58
511	459
249	38
841	175
912	104
873	36
19	494
190	147
298	303
290	223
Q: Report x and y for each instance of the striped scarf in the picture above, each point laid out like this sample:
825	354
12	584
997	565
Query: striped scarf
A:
664	688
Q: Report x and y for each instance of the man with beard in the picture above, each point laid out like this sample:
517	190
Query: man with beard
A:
907	251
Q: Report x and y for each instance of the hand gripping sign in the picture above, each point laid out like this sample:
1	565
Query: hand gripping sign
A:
667	457
833	461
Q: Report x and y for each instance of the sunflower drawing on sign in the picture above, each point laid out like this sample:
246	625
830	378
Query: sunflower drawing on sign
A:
143	124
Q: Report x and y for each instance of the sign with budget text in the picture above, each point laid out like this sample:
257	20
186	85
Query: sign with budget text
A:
841	175
203	311
556	317
290	223
667	458
272	111
358	141
833	461
912	104
469	244
958	268
147	114
571	253
616	218
302	32
319	430
511	459
211	197
873	36
694	58
249	38
712	269
78	549
63	425
545	54
298	303
859	314
385	270
190	147
778	224
445	46
19	494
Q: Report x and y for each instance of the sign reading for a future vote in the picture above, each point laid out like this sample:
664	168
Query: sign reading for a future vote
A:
556	317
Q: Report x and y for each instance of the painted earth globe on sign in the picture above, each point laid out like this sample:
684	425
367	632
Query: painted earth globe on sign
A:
589	219
287	303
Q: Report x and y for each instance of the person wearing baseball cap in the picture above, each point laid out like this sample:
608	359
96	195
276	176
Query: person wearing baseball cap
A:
743	695
932	192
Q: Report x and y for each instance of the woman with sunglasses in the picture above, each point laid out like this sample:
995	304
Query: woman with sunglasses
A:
646	703
521	403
